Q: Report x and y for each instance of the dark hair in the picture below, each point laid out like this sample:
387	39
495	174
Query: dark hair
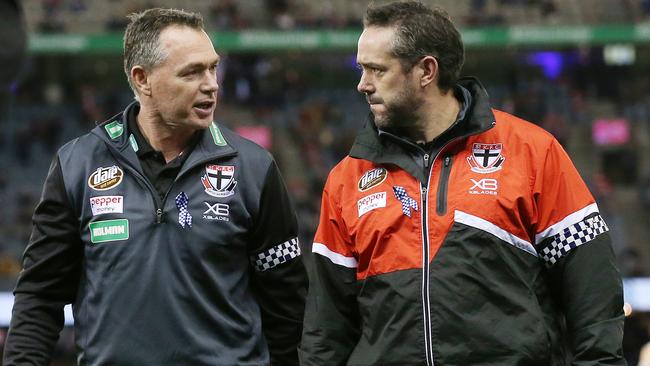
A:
421	31
141	46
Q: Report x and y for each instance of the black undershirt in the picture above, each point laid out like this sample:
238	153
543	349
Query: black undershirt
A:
160	173
464	97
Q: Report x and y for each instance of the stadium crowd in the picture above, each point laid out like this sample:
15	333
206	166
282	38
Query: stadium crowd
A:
101	16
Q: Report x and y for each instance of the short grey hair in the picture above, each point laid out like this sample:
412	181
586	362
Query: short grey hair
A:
141	37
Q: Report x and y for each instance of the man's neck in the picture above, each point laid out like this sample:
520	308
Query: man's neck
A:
437	116
170	141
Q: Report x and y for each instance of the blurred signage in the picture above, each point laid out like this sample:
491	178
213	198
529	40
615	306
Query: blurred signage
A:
610	132
260	135
637	293
261	40
7	303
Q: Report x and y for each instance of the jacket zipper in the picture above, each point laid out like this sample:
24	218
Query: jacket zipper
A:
424	191
441	201
158	214
428	341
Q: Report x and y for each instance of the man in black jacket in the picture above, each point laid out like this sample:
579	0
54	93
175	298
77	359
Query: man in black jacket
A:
172	237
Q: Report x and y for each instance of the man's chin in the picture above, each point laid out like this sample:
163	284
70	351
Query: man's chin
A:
202	123
381	121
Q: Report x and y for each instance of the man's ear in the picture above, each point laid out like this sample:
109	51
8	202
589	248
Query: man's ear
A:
141	80
429	66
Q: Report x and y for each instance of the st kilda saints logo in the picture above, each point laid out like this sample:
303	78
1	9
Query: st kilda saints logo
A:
486	158
104	179
372	178
218	180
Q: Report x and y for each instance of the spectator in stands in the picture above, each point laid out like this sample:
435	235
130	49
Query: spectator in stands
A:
173	237
454	233
224	15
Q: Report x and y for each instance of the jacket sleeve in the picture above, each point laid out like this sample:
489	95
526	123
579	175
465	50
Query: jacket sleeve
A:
279	279
572	240
49	278
332	320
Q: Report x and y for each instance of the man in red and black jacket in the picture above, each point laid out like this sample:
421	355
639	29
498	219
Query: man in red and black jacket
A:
454	233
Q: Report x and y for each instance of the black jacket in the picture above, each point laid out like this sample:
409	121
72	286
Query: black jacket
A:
209	275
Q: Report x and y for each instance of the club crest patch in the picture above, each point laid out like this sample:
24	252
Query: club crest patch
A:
219	181
486	158
104	179
372	178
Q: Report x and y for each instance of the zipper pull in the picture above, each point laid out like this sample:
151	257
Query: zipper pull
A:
424	193
447	160
159	214
426	160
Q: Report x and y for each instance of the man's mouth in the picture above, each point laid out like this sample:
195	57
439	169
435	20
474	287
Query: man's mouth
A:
206	105
204	109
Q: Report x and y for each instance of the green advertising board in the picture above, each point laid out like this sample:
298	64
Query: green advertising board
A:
265	41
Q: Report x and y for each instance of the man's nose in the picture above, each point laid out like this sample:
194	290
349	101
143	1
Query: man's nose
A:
365	86
210	85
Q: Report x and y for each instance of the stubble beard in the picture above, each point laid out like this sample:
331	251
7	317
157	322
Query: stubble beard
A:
401	112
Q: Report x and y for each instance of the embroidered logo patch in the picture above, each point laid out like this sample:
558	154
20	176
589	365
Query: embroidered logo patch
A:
372	178
109	230
371	202
486	158
106	204
217	137
217	211
104	179
218	180
114	129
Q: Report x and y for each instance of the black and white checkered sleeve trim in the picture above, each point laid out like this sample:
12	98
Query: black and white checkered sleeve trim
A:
571	237
277	255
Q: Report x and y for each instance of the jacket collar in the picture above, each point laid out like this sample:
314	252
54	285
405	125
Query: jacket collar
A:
386	148
117	136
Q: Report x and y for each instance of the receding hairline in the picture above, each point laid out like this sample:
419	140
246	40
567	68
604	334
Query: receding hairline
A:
166	44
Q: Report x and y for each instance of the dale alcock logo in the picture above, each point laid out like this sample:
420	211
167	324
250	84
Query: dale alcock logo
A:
218	180
372	178
486	158
104	179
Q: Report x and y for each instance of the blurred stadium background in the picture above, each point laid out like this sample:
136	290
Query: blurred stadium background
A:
578	68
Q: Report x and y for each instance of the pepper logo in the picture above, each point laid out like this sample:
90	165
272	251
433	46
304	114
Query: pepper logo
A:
104	179
372	178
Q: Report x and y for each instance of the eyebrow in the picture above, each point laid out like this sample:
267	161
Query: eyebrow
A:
199	65
371	64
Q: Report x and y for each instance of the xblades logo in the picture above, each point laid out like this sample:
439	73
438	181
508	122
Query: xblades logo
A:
484	186
217	211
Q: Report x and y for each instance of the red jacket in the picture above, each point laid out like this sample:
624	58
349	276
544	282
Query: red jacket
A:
518	267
